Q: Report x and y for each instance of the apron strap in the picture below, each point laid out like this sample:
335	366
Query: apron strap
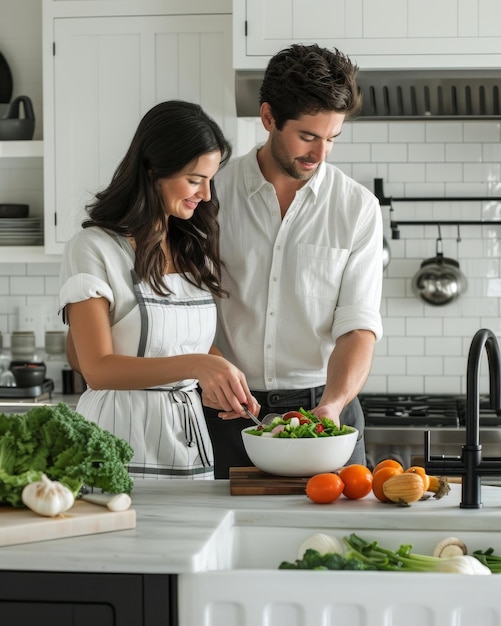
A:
143	313
191	425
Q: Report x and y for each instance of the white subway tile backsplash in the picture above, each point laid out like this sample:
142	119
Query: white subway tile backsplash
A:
474	307
425	366
442	384
388	153
484	131
435	346
465	152
444	171
406	346
481	171
351	153
27	285
52	285
491	152
406	132
461	327
447	132
423	327
407	172
426	152
393	326
374	132
390	365
405	384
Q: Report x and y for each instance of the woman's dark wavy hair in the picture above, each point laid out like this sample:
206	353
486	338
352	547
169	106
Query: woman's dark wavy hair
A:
304	80
170	136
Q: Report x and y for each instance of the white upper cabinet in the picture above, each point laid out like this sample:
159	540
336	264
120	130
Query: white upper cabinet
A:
105	73
377	34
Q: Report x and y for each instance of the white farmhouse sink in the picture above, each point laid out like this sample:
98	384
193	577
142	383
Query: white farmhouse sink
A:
242	585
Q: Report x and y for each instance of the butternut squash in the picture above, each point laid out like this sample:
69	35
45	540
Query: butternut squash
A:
438	485
404	488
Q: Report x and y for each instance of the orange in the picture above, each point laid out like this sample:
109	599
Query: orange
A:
324	488
357	481
379	478
388	463
417	469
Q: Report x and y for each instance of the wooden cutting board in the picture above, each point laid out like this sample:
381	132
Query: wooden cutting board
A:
250	481
23	526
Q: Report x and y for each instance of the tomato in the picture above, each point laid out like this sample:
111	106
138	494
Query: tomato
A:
324	488
388	463
379	478
357	481
289	414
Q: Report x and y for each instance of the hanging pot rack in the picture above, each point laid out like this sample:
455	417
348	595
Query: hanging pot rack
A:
394	224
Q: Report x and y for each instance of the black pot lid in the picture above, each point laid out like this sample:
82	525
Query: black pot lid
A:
5	81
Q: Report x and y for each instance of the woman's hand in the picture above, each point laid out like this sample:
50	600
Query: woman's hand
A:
253	407
224	387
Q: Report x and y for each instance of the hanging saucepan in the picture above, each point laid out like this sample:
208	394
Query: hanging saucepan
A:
439	280
386	253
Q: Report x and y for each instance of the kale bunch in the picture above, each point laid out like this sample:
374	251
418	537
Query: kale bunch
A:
58	442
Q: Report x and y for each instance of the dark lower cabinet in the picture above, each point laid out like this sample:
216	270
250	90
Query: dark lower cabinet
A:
72	599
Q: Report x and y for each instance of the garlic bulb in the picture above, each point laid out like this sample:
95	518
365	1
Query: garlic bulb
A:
324	544
47	497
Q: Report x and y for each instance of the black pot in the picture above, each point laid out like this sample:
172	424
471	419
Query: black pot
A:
16	128
28	374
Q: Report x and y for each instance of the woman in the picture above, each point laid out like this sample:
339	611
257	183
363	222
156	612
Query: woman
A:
137	287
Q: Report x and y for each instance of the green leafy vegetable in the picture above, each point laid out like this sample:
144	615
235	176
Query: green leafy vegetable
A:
58	442
312	559
313	427
365	555
489	559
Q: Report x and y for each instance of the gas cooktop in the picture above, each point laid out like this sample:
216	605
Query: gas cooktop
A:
422	410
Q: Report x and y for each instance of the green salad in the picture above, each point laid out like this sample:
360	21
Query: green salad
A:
300	425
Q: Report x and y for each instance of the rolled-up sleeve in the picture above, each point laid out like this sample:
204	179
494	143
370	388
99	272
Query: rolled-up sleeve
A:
83	272
83	287
359	302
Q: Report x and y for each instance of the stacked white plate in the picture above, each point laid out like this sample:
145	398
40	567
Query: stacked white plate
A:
21	231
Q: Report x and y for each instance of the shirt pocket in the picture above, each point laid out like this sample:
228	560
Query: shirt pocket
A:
319	271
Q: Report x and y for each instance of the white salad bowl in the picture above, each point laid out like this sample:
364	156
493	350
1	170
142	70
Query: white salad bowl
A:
299	457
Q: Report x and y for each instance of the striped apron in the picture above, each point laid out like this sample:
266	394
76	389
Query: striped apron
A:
164	425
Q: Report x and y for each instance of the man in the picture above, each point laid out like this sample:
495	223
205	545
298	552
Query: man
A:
302	247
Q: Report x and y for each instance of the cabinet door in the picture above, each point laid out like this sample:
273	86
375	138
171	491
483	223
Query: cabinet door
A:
56	614
375	33
106	73
87	599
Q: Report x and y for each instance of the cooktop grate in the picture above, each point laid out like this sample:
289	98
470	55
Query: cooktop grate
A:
423	410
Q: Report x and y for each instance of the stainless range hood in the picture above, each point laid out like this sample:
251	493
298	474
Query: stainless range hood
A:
404	94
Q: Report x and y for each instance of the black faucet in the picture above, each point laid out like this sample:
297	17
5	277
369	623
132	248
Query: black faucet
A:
470	464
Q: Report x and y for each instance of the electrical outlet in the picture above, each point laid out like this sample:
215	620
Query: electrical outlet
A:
32	318
53	322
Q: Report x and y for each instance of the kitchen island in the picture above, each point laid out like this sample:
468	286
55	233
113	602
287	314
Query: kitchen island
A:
195	543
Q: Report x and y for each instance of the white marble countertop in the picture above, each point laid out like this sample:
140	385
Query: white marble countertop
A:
175	519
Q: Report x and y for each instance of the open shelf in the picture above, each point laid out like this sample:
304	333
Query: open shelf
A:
21	149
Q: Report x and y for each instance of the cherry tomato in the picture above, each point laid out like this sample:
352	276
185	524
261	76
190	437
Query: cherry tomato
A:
324	488
357	481
289	414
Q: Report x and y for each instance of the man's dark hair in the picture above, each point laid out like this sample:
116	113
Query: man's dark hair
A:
304	80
